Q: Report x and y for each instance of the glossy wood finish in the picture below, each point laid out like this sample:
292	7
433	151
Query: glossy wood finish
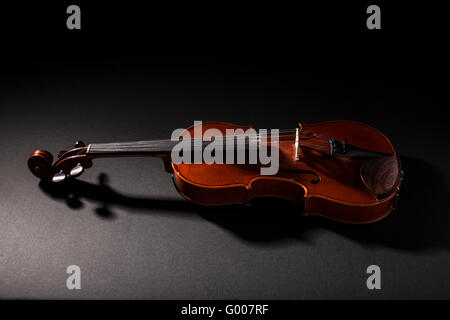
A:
40	164
351	190
341	193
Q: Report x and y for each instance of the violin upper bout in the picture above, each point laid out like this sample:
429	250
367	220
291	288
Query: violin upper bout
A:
381	175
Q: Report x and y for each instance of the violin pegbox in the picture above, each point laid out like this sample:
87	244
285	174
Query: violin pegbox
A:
70	163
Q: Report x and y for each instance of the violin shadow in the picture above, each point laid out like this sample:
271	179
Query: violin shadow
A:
421	221
265	220
422	218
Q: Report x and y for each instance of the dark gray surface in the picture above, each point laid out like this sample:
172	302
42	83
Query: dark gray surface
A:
150	243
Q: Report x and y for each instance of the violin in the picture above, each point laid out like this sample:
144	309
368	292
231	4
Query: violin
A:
342	170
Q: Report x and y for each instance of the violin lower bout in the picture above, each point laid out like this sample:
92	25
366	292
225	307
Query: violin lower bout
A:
283	188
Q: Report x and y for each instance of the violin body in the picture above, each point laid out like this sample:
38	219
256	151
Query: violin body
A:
360	189
346	192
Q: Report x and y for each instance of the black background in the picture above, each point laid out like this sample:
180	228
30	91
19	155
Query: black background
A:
135	72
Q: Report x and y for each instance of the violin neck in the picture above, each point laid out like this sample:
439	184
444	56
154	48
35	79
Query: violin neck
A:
147	148
135	148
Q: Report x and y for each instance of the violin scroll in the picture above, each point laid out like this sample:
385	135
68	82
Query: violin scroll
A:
68	164
40	164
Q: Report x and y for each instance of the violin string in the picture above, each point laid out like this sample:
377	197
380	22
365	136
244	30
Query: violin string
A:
163	142
223	138
285	136
282	132
242	142
301	144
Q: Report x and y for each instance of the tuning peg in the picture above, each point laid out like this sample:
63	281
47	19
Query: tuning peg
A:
60	176
77	170
79	144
